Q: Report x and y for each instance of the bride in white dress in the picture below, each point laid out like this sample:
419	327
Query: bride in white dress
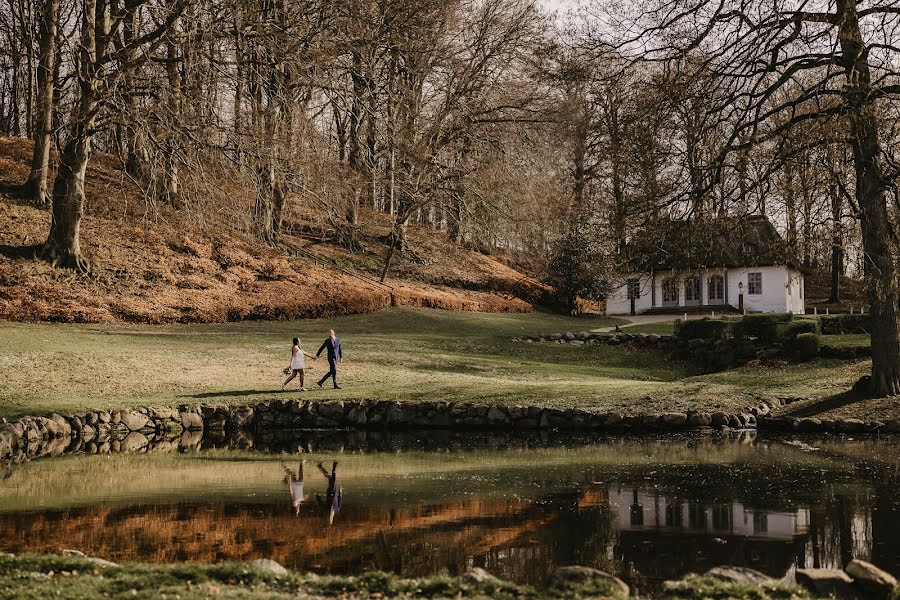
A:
298	360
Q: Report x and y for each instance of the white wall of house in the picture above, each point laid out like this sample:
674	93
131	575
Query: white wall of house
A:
619	303
636	510
783	290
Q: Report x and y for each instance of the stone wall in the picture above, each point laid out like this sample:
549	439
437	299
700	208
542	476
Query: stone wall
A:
709	355
139	429
365	414
97	432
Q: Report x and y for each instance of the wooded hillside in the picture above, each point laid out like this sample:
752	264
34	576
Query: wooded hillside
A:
171	271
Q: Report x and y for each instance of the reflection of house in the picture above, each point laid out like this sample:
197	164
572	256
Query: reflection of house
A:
638	510
728	263
663	537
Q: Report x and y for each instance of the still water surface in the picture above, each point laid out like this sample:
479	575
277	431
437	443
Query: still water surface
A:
647	510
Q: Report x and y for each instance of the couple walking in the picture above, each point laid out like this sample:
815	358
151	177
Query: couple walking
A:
298	360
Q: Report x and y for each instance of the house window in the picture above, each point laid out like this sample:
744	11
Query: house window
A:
716	287
749	248
692	289
634	289
760	522
670	290
754	283
696	516
674	517
721	517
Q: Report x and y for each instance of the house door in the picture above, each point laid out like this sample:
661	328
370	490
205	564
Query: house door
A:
669	292
692	291
715	287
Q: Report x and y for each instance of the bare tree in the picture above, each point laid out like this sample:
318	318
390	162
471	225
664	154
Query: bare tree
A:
35	187
776	66
99	68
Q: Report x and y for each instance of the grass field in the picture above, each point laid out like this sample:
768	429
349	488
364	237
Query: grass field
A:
401	354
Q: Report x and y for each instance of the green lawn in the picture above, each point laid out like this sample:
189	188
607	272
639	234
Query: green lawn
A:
847	340
398	354
661	328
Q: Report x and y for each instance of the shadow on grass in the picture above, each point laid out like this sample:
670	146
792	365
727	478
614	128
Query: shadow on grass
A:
232	393
824	405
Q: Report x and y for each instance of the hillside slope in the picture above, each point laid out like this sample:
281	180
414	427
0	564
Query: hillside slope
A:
156	264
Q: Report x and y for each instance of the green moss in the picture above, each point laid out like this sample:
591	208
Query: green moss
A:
695	587
43	576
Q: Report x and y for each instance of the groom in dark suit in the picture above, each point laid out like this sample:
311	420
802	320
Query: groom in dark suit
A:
333	344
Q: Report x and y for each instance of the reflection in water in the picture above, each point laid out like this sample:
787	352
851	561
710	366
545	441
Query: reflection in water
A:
648	511
295	486
332	501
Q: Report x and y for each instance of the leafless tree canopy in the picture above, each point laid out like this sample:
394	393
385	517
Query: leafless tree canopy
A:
495	122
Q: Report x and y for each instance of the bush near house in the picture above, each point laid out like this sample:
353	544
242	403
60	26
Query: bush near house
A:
843	324
704	329
789	332
764	327
806	346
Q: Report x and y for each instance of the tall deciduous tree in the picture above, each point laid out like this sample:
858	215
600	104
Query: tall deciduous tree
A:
99	67
776	66
35	187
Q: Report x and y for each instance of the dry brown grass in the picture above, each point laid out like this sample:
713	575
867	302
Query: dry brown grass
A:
155	264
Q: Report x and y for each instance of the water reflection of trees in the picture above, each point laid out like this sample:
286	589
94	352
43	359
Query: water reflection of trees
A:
646	535
658	521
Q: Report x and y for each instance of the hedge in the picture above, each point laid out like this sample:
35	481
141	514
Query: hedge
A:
806	346
704	329
788	332
764	327
840	324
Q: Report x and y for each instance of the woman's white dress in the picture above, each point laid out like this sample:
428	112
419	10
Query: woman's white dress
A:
297	360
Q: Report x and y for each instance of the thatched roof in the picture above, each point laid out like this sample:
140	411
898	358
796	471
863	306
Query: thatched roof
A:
724	242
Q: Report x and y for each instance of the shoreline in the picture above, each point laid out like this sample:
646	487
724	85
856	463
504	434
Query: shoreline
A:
138	429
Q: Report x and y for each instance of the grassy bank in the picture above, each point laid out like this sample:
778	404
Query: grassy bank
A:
403	354
44	576
49	576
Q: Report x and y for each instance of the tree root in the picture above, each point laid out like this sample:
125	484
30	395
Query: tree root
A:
65	260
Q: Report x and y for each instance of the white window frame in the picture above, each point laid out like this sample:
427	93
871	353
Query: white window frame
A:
692	285
715	283
670	284
633	288
752	290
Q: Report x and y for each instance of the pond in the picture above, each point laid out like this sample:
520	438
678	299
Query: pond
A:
646	509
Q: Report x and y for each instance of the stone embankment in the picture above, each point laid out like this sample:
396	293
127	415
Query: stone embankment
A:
98	432
711	355
132	430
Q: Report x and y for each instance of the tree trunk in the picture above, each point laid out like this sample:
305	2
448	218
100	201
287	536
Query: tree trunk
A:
881	251
63	248
173	187
270	201
138	157
837	243
790	205
35	187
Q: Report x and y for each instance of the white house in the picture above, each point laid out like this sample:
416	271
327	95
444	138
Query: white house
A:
729	264
642	510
